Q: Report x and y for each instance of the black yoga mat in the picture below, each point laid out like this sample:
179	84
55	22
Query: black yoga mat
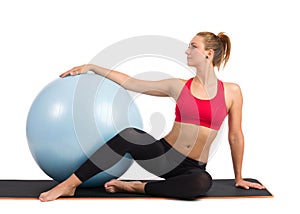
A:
22	189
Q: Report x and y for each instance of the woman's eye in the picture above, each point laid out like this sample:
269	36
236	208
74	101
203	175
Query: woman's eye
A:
192	46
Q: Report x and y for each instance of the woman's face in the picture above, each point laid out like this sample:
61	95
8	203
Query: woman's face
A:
195	52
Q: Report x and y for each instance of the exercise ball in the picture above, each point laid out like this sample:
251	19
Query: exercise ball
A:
72	117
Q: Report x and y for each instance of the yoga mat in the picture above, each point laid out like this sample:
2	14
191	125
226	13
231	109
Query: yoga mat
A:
31	189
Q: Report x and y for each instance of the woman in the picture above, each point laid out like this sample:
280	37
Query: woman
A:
202	103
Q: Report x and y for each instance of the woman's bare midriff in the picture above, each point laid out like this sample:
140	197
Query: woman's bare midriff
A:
191	140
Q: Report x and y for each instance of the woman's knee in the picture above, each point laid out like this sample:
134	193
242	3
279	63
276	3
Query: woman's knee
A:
202	184
131	130
199	185
130	133
206	181
136	136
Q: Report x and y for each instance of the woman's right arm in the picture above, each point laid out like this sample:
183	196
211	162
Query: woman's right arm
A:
166	87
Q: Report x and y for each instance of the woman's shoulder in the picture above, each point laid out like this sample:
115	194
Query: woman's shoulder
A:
233	91
232	87
178	81
177	86
233	95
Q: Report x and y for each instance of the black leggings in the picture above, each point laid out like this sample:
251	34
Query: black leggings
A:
184	178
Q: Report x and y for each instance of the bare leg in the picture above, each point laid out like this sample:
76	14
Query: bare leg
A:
66	188
114	186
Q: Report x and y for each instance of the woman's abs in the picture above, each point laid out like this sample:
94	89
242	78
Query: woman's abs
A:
191	140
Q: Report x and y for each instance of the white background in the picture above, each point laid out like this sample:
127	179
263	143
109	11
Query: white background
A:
39	40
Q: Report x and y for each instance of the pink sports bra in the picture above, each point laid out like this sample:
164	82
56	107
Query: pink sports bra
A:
209	113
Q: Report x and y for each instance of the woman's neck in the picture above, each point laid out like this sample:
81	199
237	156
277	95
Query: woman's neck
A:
206	77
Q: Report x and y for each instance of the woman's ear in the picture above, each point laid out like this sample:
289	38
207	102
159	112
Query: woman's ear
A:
210	53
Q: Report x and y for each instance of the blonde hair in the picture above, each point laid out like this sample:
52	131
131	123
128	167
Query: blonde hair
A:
221	46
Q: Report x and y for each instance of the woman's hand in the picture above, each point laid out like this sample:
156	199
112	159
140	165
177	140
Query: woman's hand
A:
247	184
77	70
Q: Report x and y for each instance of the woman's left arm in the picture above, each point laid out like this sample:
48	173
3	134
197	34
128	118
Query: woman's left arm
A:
235	136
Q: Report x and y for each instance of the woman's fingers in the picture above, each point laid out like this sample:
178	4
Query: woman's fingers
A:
256	186
64	74
242	185
74	71
248	185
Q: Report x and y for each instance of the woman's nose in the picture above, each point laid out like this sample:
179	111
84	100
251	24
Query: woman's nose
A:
187	52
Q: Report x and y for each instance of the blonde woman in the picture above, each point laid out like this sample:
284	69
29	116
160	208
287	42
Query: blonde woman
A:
180	157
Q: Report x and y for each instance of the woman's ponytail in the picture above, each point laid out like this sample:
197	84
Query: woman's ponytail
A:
226	48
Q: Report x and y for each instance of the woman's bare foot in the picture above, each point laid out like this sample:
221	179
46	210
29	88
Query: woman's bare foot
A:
114	186
66	188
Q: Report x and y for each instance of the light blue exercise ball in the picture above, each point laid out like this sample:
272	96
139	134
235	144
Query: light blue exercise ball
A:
72	117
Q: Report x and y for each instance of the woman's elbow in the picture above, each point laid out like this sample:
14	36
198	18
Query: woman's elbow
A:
236	137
